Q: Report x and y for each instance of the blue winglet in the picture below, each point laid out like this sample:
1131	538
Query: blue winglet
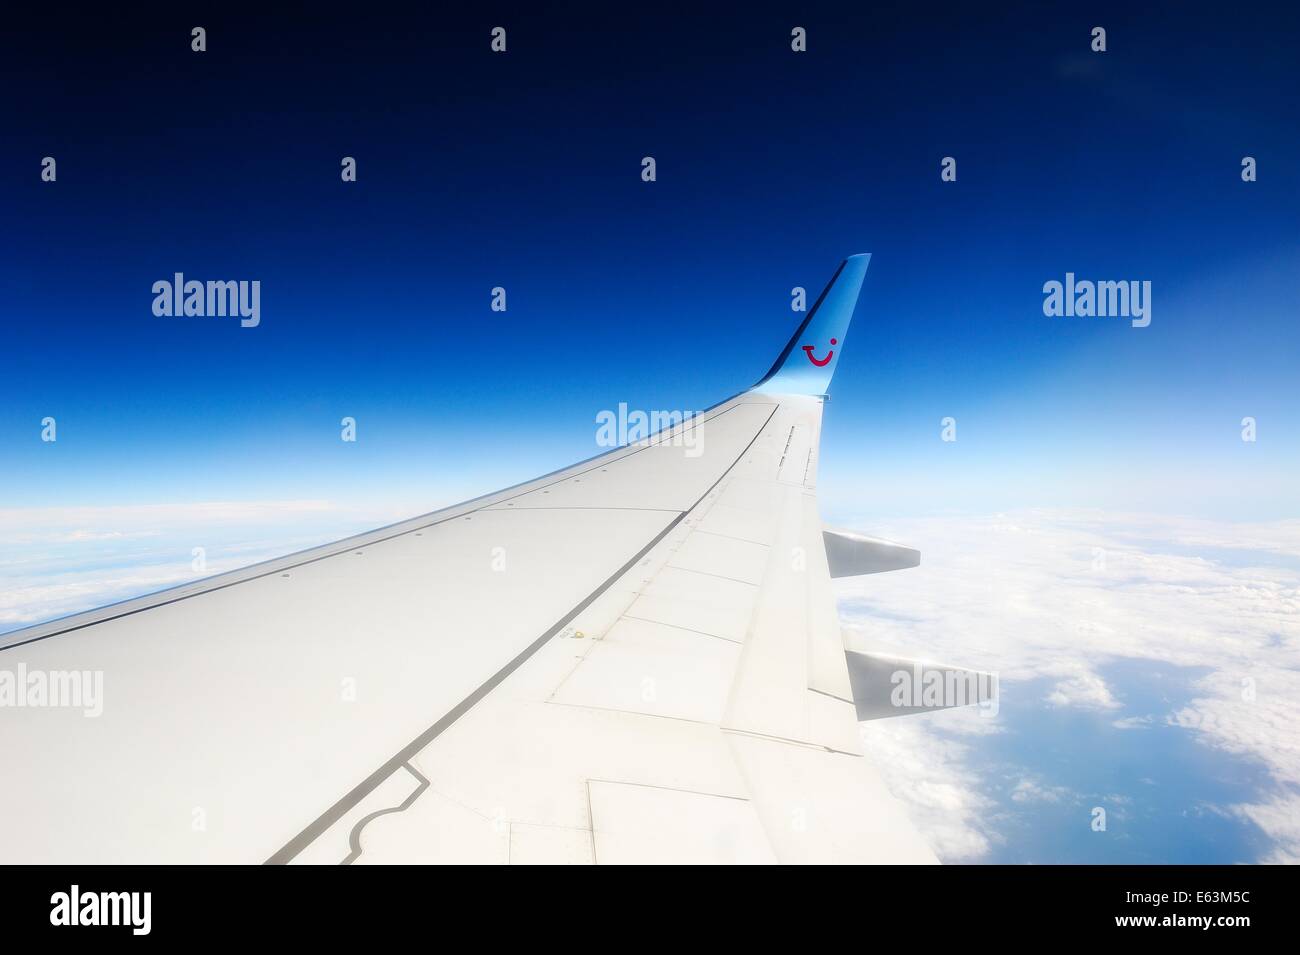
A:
806	365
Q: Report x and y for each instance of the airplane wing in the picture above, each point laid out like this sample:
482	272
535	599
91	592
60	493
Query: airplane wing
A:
635	659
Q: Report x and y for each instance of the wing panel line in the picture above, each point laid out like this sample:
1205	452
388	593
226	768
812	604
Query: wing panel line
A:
315	829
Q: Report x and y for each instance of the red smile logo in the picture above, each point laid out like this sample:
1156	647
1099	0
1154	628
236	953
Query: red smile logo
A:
820	362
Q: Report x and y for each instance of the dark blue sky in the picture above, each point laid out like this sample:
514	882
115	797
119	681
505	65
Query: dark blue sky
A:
522	170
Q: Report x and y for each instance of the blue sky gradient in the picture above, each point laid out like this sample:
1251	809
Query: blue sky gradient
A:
522	170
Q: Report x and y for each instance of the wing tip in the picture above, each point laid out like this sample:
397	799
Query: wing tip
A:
821	333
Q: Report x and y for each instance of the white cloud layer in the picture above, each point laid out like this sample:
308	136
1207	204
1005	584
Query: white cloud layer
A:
1055	596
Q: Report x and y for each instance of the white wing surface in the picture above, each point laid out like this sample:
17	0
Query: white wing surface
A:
636	659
